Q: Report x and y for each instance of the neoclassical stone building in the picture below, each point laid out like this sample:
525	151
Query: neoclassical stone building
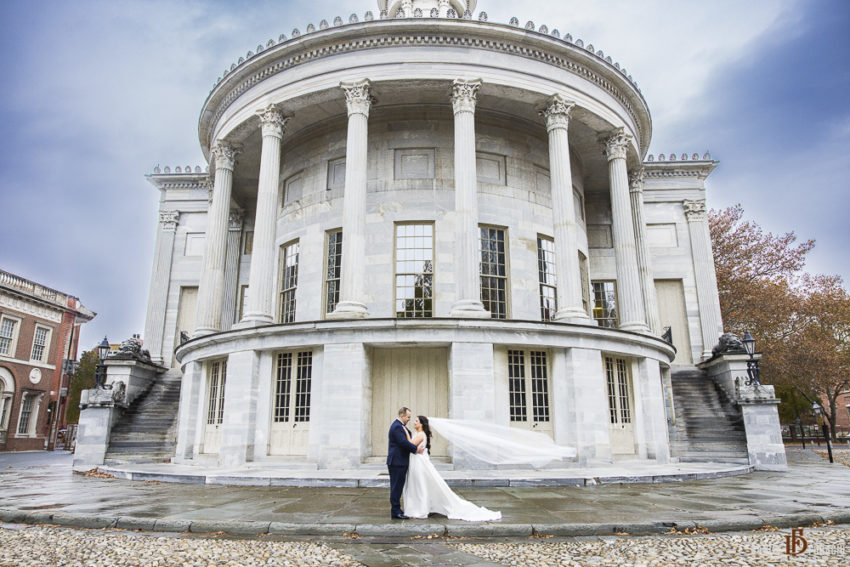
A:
425	208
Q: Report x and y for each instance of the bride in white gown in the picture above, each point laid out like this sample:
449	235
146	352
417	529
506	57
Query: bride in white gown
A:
426	492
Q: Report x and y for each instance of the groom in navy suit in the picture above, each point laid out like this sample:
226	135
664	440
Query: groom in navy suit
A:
398	457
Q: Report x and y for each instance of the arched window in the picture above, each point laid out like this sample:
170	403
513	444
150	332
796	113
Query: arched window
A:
7	393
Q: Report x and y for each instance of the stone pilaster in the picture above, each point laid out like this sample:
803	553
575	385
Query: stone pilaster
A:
189	413
163	254
651	435
468	301
262	277
231	269
644	260
351	301
568	290
629	295
473	390
711	322
211	287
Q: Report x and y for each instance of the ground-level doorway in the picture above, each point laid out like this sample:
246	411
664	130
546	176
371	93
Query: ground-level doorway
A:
414	377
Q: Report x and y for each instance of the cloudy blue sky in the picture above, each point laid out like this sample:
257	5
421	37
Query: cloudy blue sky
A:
98	92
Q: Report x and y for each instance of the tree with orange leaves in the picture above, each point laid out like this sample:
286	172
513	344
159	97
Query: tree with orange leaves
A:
801	322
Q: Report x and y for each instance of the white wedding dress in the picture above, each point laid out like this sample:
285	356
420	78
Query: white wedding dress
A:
425	492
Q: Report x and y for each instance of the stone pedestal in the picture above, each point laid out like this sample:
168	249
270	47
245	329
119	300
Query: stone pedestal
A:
580	408
759	406
240	408
126	379
343	424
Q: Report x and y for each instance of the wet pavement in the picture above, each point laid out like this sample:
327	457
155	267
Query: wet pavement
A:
40	488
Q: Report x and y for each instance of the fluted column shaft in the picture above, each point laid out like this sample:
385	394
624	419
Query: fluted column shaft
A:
262	277
211	286
351	297
629	295
647	282
161	276
711	321
567	271
467	260
231	269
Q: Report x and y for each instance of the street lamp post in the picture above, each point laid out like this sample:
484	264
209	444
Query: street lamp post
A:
100	370
753	371
802	433
824	423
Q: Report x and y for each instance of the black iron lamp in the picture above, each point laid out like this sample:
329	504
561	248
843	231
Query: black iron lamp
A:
100	371
753	371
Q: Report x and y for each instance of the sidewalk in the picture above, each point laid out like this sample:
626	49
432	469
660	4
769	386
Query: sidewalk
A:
41	488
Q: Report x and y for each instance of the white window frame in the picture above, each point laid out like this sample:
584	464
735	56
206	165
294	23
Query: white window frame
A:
506	278
547	279
13	343
32	416
45	353
327	308
7	395
288	280
401	273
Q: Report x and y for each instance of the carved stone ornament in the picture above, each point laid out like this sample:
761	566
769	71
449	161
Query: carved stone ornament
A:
729	343
617	144
109	395
694	210
464	95
132	349
272	122
636	180
224	155
557	113
357	97
168	220
234	221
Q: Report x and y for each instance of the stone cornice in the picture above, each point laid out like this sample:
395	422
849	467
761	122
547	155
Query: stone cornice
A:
666	170
166	181
423	32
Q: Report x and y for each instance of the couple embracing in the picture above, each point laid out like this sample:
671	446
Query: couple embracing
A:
413	475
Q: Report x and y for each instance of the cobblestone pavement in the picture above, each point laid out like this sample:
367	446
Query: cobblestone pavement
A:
49	546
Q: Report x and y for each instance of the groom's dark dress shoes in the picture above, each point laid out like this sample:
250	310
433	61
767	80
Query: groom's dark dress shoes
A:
401	517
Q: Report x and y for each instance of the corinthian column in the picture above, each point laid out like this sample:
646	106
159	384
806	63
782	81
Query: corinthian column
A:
161	276
351	304
647	282
231	268
568	290
629	295
468	302
710	319
211	287
261	279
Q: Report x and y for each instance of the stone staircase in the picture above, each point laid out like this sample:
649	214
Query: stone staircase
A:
146	431
709	427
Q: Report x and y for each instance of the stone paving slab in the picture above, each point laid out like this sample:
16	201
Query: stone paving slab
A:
41	488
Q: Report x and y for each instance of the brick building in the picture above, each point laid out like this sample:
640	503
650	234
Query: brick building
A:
39	331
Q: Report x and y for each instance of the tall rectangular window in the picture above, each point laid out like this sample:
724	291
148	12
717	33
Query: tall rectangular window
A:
414	270
605	304
292	406
40	341
334	270
7	336
288	282
528	372
619	405
216	377
493	269
26	414
546	277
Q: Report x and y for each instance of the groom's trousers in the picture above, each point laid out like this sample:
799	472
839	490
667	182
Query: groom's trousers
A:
397	477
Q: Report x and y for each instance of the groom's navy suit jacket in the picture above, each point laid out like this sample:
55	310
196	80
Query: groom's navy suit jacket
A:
399	448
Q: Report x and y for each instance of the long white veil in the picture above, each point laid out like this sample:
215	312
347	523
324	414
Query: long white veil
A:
499	444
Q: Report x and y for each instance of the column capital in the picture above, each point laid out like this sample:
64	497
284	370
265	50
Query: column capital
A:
168	220
224	154
694	210
557	112
617	144
272	121
357	96
464	95
636	180
234	220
